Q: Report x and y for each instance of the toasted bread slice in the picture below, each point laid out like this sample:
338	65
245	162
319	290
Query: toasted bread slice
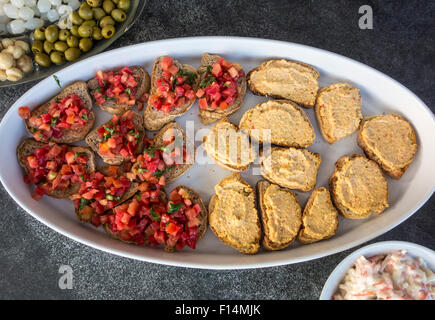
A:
112	106
155	119
288	124
281	215
390	141
291	167
28	146
127	195
68	135
358	187
203	216
229	147
319	219
338	111
285	79
233	216
210	115
181	168
93	140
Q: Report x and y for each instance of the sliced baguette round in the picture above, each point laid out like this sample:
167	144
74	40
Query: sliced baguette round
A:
28	146
358	187
93	141
281	215
288	124
127	195
218	146
338	111
319	219
390	141
68	135
112	106
209	115
291	167
233	216
155	119
285	79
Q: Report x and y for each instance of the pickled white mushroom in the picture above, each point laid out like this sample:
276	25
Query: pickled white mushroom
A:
25	63
6	60
14	74
3	76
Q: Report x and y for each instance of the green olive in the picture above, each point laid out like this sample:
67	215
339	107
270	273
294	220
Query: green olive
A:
60	46
124	5
43	59
57	57
96	33
37	47
106	21
39	34
63	34
72	54
85	44
75	18
72	41
115	1
85	11
48	46
108	31
85	31
91	23
94	3
52	33
118	15
108	6
98	13
75	31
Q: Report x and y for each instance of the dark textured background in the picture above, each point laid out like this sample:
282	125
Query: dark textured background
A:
400	45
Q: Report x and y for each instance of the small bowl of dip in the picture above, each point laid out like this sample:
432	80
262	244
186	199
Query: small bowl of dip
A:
388	270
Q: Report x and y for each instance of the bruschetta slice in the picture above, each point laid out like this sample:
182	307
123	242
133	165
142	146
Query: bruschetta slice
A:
149	218
66	118
165	158
118	91
56	169
100	191
119	139
173	88
222	88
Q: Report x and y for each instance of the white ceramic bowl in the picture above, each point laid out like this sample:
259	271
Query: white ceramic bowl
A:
384	247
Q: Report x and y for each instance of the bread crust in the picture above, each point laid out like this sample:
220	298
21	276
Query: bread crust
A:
115	108
210	116
344	209
265	64
93	140
27	146
155	119
68	135
372	153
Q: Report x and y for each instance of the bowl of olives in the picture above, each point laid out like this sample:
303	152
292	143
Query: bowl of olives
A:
85	32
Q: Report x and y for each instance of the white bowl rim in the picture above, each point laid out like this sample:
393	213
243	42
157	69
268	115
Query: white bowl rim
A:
340	270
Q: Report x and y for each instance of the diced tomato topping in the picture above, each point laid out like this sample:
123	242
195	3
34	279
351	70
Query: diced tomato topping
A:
174	87
67	113
219	87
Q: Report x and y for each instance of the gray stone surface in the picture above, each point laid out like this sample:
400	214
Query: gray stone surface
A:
401	45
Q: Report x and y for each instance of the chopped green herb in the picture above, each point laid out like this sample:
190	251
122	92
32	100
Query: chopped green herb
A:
169	168
227	85
128	90
83	203
154	214
174	207
108	98
142	170
207	81
209	68
117	198
84	117
57	81
98	90
138	196
53	122
109	196
158	173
